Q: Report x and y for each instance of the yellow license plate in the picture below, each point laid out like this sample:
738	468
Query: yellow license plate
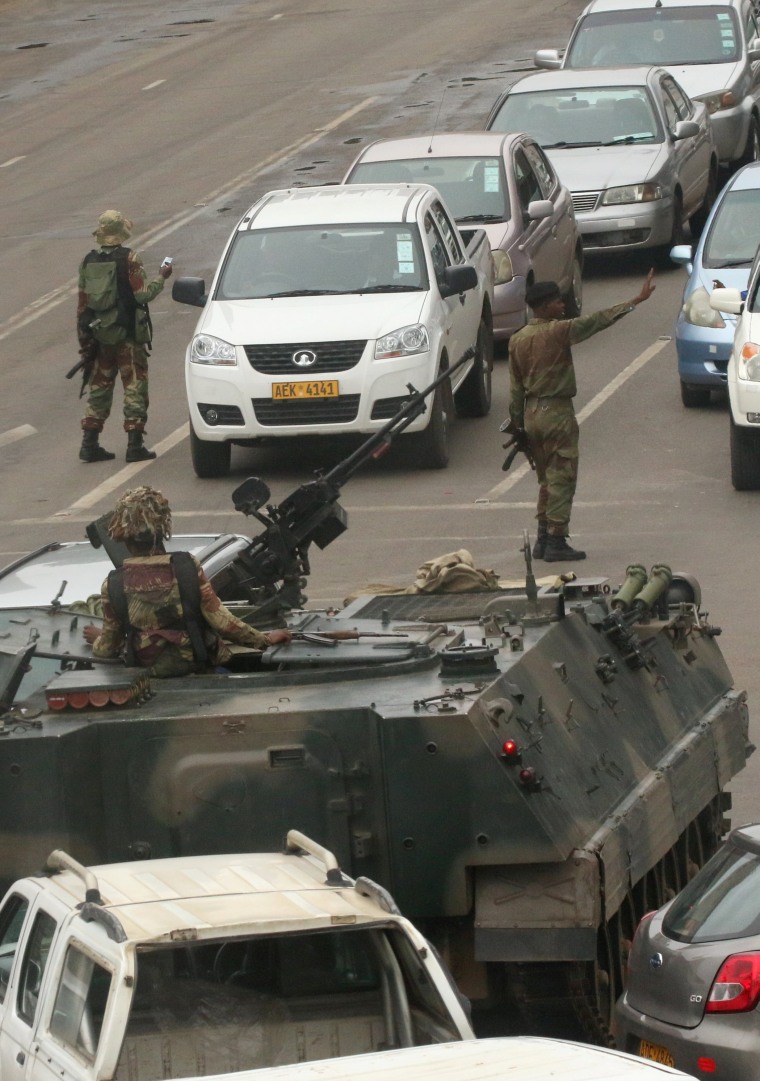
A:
314	388
656	1053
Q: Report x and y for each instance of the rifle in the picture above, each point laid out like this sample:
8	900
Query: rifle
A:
273	569
519	443
88	351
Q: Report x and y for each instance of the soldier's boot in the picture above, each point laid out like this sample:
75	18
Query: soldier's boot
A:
558	550
136	452
91	450
539	547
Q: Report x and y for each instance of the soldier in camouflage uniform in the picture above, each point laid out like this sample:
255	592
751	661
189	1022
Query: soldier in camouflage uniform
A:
119	349
160	640
542	388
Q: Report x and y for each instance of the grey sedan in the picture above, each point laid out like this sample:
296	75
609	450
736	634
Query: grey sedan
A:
636	152
505	184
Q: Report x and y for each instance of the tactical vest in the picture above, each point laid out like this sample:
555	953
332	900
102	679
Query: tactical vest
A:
112	314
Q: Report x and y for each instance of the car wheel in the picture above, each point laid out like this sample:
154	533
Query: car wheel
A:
751	150
745	458
473	399
430	449
698	220
574	297
694	397
209	459
676	232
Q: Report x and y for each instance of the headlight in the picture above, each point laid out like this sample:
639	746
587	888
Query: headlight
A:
721	99
502	267
206	349
697	310
632	193
402	342
749	362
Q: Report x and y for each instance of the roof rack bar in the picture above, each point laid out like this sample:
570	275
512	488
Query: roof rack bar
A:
297	841
58	860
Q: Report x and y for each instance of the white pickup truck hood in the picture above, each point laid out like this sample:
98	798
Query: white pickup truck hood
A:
311	319
595	168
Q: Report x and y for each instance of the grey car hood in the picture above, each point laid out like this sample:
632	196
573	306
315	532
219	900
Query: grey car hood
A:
594	168
698	79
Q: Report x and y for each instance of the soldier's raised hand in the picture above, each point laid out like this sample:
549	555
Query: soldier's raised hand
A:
647	288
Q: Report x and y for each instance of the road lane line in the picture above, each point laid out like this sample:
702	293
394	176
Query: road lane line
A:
14	434
152	86
12	161
588	409
56	296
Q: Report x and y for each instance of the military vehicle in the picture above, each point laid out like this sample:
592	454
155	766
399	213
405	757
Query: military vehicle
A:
527	771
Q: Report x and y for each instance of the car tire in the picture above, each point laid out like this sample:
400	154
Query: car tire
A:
694	397
574	297
676	232
751	150
745	458
430	449
209	459
473	399
698	220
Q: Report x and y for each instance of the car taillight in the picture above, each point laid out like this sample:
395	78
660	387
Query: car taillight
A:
737	985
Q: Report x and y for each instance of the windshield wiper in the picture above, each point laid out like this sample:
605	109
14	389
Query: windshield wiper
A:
567	146
480	217
389	289
305	293
622	140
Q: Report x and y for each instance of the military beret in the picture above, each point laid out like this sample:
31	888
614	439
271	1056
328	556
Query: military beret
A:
540	292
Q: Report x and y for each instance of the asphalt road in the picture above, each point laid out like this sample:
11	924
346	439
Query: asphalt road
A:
183	115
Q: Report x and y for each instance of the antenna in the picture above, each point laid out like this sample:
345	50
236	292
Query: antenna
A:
437	118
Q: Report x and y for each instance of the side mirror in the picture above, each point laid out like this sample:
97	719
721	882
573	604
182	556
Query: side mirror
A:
682	255
685	129
190	291
547	58
458	279
539	209
727	300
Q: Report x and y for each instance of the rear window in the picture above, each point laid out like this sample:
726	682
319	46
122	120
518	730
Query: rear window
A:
720	902
657	35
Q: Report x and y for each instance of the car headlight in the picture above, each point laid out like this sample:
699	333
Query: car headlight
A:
697	310
632	193
206	349
402	342
502	267
749	362
721	99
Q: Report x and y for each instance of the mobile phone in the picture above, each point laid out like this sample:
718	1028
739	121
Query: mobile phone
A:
167	261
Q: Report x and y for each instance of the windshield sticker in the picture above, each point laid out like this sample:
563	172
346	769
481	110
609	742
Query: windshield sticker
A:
491	178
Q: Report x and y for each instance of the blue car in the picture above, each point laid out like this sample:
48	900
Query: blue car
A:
722	257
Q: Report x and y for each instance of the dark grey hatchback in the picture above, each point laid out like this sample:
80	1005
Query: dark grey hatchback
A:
694	971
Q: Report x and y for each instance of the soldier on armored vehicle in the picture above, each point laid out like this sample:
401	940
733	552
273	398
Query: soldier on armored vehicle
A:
161	609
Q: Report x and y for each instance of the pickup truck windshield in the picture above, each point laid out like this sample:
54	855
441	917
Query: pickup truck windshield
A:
656	35
474	188
586	116
323	260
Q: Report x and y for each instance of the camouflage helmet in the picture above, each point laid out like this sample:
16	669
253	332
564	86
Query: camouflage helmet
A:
113	228
141	514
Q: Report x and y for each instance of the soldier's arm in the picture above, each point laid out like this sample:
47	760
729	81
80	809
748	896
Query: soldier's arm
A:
227	625
586	325
516	394
110	641
144	291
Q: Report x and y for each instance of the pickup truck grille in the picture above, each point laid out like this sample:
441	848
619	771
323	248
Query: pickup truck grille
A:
585	201
277	359
340	410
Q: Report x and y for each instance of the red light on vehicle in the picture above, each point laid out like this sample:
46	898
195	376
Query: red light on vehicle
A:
706	1065
510	750
737	986
528	777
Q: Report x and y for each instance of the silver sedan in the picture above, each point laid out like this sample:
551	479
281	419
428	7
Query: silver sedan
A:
635	151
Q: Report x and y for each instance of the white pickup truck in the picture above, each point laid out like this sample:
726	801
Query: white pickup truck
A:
208	965
327	303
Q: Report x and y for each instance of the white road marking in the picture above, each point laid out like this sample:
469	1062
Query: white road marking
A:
588	409
274	18
57	296
12	161
152	86
14	434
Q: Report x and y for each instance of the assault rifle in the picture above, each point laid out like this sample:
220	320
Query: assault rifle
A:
271	572
88	351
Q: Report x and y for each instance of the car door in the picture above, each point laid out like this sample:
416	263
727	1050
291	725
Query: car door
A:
540	239
692	155
564	231
461	317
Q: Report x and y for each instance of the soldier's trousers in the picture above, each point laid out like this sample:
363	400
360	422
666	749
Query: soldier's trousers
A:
553	433
130	361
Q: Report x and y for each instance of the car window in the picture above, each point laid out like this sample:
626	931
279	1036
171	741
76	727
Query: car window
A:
80	1002
33	967
11	920
528	187
448	232
543	170
656	35
671	112
683	104
436	246
734	233
581	116
720	902
751	27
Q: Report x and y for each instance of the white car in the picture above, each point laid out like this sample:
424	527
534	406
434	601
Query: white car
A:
744	378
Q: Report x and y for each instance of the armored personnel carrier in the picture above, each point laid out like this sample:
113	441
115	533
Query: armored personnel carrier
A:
527	771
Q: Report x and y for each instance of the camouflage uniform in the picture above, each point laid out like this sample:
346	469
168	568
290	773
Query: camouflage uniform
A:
542	388
118	354
161	642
